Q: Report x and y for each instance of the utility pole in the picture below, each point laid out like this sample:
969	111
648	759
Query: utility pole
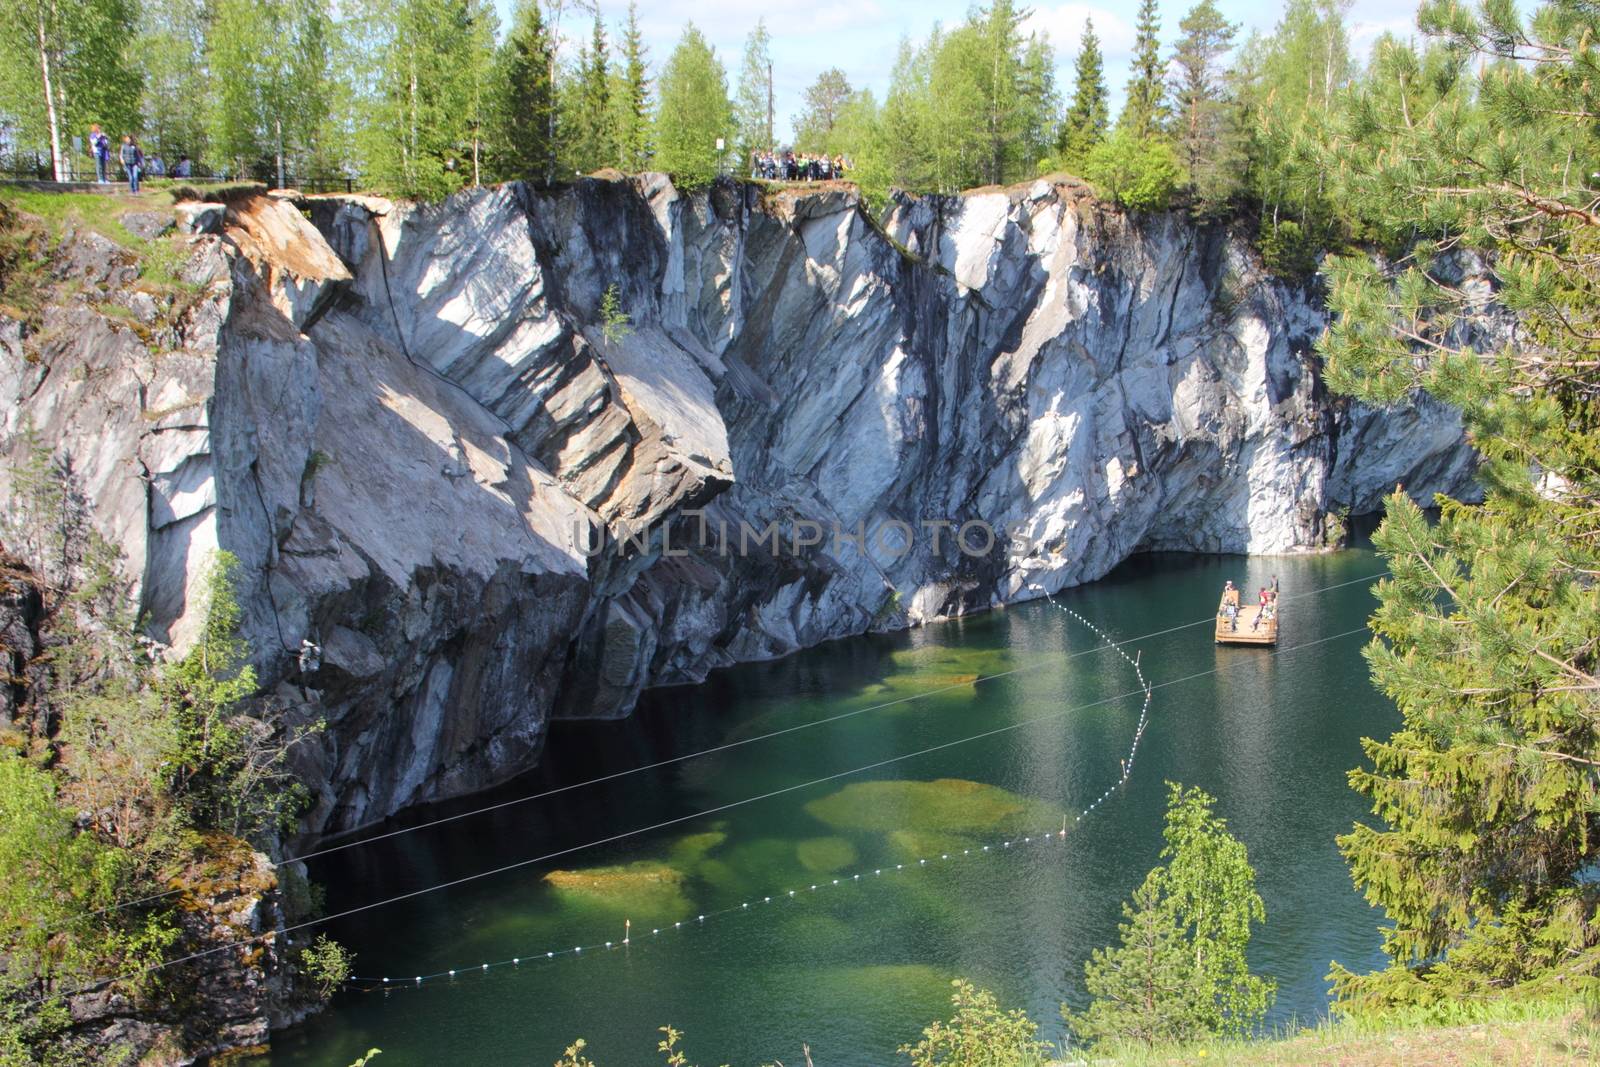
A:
278	125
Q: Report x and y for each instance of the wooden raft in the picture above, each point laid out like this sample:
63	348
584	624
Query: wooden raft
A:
1244	630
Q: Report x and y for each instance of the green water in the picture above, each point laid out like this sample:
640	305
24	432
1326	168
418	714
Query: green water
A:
856	969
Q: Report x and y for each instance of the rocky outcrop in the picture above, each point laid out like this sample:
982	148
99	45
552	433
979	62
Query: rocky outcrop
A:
226	998
465	503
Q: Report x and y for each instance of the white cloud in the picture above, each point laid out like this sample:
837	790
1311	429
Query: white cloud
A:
1364	33
1064	24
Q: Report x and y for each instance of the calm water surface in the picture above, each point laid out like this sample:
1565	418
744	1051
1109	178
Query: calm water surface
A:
857	969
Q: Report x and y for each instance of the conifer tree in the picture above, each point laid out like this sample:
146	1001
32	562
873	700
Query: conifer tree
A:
1145	109
520	146
1490	624
1085	123
694	111
592	139
631	99
825	100
1200	124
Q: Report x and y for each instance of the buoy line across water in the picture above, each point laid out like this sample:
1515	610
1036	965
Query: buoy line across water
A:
1146	690
782	896
724	747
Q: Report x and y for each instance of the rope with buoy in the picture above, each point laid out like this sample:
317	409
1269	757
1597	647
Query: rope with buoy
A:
1001	847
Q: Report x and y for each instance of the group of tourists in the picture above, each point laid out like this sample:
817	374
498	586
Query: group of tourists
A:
1266	602
135	166
789	167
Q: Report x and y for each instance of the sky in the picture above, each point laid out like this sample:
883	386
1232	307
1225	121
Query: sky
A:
860	37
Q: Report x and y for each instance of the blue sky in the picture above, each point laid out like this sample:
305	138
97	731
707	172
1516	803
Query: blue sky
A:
860	36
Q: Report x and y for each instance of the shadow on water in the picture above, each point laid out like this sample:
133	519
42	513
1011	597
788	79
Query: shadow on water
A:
858	969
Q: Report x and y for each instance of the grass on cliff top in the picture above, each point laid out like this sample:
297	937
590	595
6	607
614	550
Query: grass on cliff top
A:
1527	1034
33	221
100	212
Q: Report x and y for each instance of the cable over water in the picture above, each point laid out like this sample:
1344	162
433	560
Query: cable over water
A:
1045	836
1052	716
724	747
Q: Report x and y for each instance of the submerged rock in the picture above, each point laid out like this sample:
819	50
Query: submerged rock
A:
485	510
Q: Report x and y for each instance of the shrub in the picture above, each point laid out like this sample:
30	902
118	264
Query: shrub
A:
1138	174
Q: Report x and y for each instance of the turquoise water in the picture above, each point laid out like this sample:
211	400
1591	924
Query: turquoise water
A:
856	969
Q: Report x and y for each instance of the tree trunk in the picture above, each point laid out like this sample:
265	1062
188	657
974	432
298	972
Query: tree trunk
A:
56	161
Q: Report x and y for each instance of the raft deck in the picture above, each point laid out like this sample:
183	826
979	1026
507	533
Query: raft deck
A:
1248	632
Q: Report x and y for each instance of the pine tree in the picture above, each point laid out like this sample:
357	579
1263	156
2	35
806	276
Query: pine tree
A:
1145	109
1489	628
694	111
1085	123
1202	113
631	100
752	111
520	146
1180	972
825	100
1146	989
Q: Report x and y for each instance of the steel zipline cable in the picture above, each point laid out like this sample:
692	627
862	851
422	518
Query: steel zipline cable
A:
730	745
676	821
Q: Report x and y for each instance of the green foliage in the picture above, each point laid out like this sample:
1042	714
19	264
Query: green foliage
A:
426	94
327	963
269	65
171	51
973	106
53	876
1180	972
694	111
1202	118
1090	112
1286	91
1490	623
590	136
226	769
825	102
81	45
752	121
979	1034
615	323
631	98
667	1046
1145	108
574	1057
1288	250
523	119
1138	174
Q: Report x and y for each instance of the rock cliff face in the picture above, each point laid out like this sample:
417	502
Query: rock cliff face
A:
411	426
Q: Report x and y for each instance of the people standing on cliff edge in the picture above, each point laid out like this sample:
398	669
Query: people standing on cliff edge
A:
100	149
132	161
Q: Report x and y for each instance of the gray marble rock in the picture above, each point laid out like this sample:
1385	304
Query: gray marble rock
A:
437	465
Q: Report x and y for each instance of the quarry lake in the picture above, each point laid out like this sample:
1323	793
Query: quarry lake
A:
856	968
